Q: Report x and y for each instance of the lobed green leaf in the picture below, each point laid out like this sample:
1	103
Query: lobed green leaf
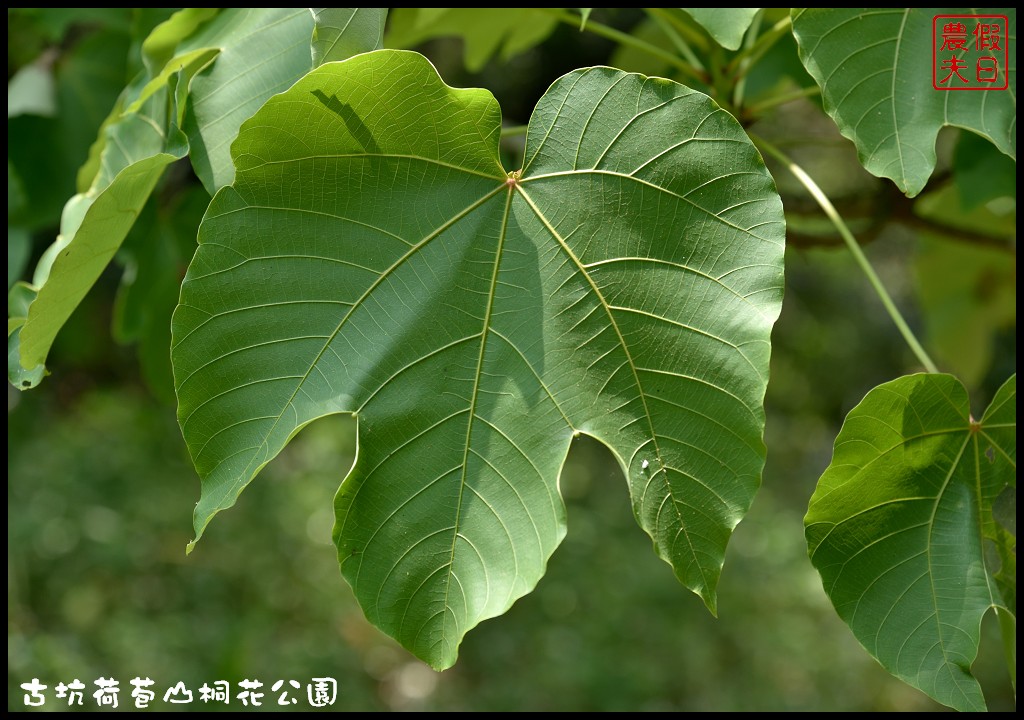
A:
373	257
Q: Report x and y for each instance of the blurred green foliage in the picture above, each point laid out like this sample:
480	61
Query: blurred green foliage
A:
100	489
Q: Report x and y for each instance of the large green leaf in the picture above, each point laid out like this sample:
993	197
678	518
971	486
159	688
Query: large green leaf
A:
898	525
484	31
726	25
874	67
373	257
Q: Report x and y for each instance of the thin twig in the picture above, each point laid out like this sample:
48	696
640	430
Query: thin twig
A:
782	99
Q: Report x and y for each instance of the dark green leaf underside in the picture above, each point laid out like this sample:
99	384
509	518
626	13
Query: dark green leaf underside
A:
874	67
373	257
898	524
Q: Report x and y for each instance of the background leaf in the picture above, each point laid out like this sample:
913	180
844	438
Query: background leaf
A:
155	255
228	92
874	67
141	136
31	91
981	172
95	223
340	33
968	294
46	152
898	524
485	31
241	79
373	257
726	25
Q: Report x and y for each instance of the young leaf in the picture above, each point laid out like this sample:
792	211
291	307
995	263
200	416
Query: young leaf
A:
725	25
874	67
899	521
158	49
373	257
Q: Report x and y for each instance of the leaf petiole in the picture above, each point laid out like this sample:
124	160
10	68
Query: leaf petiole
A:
627	39
748	42
672	34
851	242
782	99
748	56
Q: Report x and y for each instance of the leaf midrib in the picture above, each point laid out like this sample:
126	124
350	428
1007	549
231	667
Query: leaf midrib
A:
341	31
931	575
472	413
636	377
892	96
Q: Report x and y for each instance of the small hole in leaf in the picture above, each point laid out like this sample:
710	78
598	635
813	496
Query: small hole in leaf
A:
26	383
990	453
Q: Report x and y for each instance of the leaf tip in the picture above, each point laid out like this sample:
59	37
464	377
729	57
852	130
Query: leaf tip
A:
584	16
439	665
710	598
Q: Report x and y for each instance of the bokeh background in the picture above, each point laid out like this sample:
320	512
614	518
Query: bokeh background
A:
100	489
